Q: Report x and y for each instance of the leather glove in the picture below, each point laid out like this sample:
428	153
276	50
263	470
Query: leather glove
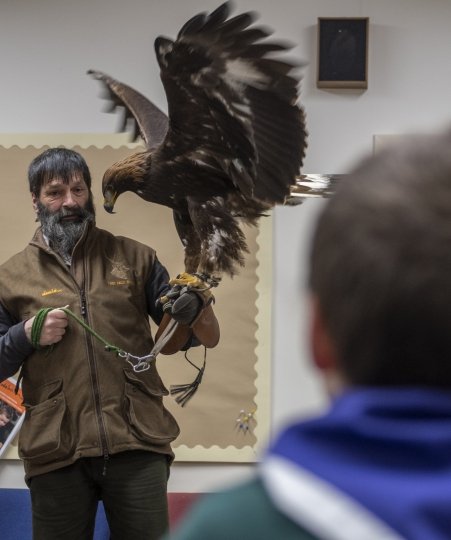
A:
186	308
187	298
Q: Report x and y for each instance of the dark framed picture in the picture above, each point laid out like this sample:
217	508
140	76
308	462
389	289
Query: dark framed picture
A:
342	52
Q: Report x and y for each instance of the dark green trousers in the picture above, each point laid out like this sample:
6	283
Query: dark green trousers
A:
132	486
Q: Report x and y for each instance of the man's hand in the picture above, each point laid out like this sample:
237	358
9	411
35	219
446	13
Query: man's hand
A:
53	329
187	298
186	307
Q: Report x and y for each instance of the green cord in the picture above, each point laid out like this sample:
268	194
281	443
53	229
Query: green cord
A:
38	323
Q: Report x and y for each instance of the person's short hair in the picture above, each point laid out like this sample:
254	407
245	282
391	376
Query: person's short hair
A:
381	266
56	163
9	411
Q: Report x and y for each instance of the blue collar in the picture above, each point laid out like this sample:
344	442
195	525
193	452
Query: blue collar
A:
389	449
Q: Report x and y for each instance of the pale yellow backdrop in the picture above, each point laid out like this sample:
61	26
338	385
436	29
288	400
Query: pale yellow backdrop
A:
237	374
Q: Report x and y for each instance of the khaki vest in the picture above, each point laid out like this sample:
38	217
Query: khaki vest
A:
80	399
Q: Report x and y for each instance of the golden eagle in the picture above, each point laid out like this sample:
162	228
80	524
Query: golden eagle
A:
232	145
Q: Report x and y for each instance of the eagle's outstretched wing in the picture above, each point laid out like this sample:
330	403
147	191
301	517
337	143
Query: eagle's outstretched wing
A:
232	100
148	120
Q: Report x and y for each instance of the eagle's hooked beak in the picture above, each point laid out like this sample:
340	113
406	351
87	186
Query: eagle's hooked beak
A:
109	200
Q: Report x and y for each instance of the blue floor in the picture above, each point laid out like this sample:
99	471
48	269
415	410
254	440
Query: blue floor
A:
15	516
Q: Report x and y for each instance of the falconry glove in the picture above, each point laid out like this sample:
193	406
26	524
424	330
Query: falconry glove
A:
186	300
189	303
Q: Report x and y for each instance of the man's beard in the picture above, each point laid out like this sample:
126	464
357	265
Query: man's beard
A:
62	235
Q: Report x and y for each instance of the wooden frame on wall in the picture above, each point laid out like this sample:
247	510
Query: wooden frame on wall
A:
342	52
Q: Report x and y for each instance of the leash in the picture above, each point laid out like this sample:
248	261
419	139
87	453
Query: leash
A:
138	363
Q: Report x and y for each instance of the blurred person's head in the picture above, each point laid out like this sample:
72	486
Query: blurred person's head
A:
380	273
7	414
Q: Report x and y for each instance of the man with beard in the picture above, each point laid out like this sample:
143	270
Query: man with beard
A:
94	428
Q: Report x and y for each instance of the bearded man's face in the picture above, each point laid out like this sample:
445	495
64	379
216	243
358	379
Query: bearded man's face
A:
63	209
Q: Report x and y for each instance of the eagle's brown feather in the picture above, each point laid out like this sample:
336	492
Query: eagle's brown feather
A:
234	140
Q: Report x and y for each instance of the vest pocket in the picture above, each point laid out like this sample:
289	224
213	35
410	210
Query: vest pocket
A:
41	436
148	419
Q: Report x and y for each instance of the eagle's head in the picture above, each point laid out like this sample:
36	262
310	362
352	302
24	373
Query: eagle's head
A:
128	174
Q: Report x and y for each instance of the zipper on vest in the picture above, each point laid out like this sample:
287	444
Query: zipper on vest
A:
95	382
84	311
89	345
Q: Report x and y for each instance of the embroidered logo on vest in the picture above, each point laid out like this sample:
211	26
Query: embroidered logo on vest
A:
51	291
119	269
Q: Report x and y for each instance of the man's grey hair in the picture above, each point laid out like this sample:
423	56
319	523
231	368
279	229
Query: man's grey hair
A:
57	162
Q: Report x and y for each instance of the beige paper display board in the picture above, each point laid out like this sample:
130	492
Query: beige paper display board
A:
236	380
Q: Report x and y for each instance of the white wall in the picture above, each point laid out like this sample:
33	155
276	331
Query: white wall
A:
47	46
